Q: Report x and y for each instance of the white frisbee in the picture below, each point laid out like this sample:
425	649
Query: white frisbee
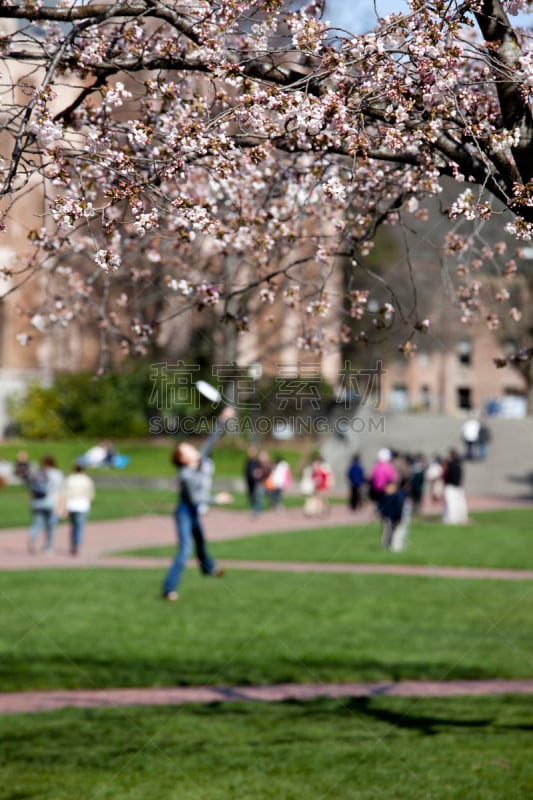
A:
209	391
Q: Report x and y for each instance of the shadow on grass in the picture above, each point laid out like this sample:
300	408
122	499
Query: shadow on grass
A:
70	671
428	725
380	709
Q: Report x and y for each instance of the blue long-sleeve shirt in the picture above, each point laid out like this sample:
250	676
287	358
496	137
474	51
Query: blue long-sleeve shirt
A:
356	476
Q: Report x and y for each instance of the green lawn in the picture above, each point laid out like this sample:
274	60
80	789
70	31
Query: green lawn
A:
149	458
102	627
499	539
399	749
117	502
121	497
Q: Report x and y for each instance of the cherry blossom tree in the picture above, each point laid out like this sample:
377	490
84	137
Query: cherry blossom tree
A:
188	154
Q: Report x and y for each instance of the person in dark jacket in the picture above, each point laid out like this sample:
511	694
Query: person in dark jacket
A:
391	508
483	440
453	471
256	470
417	482
356	479
455	507
194	480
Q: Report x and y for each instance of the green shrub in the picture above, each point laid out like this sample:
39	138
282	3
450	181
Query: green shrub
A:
82	404
38	414
109	406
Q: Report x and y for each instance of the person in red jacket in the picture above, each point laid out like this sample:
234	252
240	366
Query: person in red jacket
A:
323	479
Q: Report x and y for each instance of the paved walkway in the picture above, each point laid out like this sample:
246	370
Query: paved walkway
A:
28	702
104	538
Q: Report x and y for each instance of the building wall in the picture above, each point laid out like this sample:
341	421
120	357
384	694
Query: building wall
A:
440	383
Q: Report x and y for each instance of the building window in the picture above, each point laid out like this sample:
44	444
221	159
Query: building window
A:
464	398
399	399
464	352
425	397
513	404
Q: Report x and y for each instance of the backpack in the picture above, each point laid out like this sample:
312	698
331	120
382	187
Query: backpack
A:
39	486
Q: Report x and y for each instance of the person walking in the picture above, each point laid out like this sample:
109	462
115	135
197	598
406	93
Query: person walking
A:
45	487
382	474
435	479
417	482
391	507
279	480
256	470
356	479
194	481
22	466
79	494
455	507
307	490
323	480
470	433
483	440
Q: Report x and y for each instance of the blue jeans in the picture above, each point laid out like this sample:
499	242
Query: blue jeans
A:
189	529
275	498
470	451
482	451
77	524
256	493
43	519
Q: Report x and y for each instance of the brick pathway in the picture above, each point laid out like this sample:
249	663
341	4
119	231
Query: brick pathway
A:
104	538
29	702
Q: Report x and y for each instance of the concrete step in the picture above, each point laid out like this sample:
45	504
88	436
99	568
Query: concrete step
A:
507	470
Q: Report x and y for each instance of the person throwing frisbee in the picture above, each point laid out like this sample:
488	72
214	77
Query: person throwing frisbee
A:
194	483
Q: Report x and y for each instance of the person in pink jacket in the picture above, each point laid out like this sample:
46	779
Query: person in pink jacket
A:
382	474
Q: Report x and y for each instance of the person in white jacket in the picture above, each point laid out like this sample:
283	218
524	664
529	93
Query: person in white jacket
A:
79	494
279	479
45	487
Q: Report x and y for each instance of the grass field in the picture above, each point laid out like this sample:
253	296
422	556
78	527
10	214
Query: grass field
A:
398	749
149	458
117	502
499	539
102	628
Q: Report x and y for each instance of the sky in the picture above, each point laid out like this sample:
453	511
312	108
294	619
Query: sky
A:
359	17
